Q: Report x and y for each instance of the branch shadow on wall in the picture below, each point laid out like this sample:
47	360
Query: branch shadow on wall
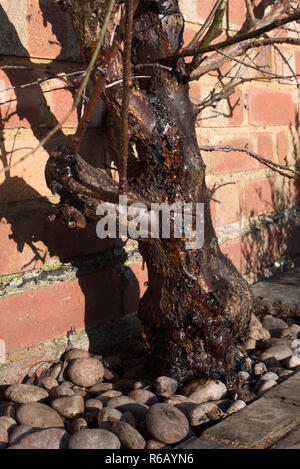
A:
28	219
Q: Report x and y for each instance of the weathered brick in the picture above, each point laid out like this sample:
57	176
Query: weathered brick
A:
13	28
265	146
233	249
34	316
62	100
271	108
231	207
28	240
226	162
50	32
259	197
135	289
283	147
236	13
228	112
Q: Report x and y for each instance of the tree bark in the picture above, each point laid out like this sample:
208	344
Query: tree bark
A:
197	306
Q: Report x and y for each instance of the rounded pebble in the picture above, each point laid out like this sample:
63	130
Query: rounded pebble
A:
264	385
48	383
165	386
202	413
38	415
19	432
25	393
68	406
129	436
143	396
3	437
166	423
50	438
76	353
235	407
85	371
8	423
79	423
203	391
94	439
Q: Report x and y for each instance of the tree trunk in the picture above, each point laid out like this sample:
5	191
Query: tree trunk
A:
197	306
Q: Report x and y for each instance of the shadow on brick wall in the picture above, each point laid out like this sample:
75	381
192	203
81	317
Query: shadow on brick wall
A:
29	227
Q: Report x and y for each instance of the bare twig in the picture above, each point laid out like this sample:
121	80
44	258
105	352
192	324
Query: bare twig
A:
278	168
124	137
76	100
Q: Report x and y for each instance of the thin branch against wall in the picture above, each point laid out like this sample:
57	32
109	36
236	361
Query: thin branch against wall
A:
77	99
283	170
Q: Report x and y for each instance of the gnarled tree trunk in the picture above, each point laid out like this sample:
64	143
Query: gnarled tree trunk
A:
197	306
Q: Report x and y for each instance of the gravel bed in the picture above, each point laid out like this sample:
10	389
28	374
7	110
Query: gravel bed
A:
111	402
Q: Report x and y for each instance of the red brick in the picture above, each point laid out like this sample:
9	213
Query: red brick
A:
62	100
265	146
22	107
34	316
236	13
297	61
271	108
136	289
235	104
224	162
233	250
195	10
230	112
259	197
283	147
230	208
50	33
28	240
195	92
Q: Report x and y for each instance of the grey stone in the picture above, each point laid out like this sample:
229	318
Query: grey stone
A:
94	439
279	352
19	432
85	371
3	437
129	436
50	438
205	390
38	415
166	423
143	396
68	406
25	393
165	386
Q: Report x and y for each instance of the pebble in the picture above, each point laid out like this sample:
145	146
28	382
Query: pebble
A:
270	375
106	417
259	369
8	423
292	332
129	418
235	407
249	345
292	362
93	405
8	410
203	391
25	393
264	385
54	372
68	406
85	372
76	353
129	436
165	386
79	423
143	396
81	392
166	423
243	376
154	444
39	415
256	333
100	387
50	438
270	322
19	432
202	413
3	437
279	352
124	403
295	343
61	391
95	438
178	399
247	365
48	383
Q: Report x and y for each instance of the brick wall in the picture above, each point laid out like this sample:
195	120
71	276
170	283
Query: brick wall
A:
53	278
